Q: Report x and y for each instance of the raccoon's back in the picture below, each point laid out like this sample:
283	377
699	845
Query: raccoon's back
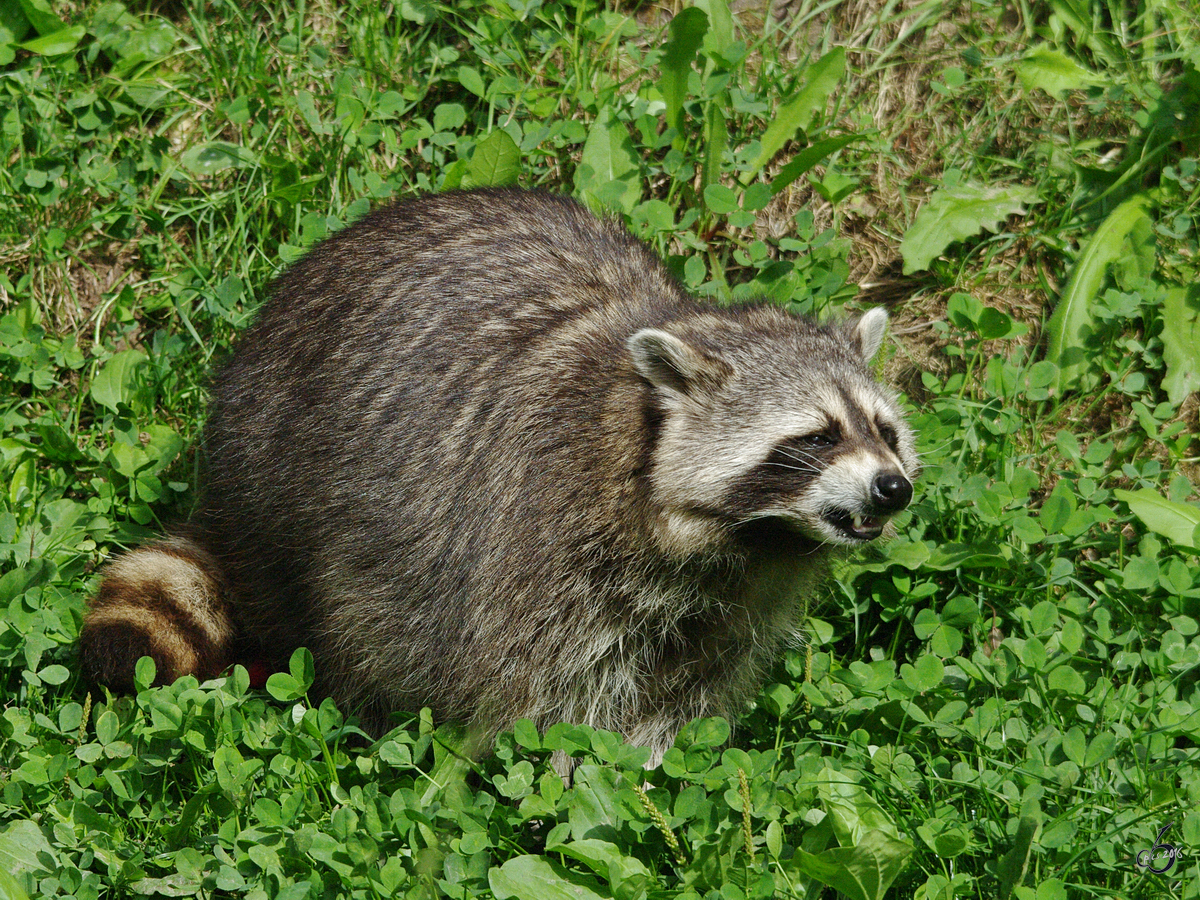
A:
434	394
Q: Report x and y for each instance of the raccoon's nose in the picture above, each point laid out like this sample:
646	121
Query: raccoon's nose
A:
891	492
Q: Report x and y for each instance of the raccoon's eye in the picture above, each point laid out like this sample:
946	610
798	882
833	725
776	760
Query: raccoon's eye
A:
818	439
888	434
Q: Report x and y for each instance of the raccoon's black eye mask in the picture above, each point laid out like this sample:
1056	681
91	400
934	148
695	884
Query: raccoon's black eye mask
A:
804	448
888	434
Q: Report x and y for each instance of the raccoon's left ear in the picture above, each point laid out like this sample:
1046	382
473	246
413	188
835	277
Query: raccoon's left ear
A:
866	332
670	363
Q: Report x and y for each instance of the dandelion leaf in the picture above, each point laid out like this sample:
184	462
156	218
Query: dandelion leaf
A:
959	212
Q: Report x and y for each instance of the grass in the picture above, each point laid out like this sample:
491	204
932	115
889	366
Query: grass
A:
1002	702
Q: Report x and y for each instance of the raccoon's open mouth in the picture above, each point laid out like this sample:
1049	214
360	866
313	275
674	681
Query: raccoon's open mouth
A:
856	526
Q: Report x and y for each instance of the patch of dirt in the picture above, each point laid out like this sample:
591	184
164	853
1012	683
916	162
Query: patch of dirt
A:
95	277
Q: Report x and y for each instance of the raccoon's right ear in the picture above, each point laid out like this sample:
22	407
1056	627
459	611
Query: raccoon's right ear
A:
670	363
867	331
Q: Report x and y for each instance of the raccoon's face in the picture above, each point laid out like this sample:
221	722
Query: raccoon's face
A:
779	436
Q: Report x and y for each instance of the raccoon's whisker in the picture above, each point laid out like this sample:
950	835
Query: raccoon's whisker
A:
800	456
757	517
806	468
793	462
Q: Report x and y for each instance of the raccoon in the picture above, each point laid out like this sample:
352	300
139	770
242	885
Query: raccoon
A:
481	452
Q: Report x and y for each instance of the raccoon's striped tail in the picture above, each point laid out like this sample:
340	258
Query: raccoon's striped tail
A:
165	601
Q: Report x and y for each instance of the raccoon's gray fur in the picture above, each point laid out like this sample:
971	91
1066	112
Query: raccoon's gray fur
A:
481	453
